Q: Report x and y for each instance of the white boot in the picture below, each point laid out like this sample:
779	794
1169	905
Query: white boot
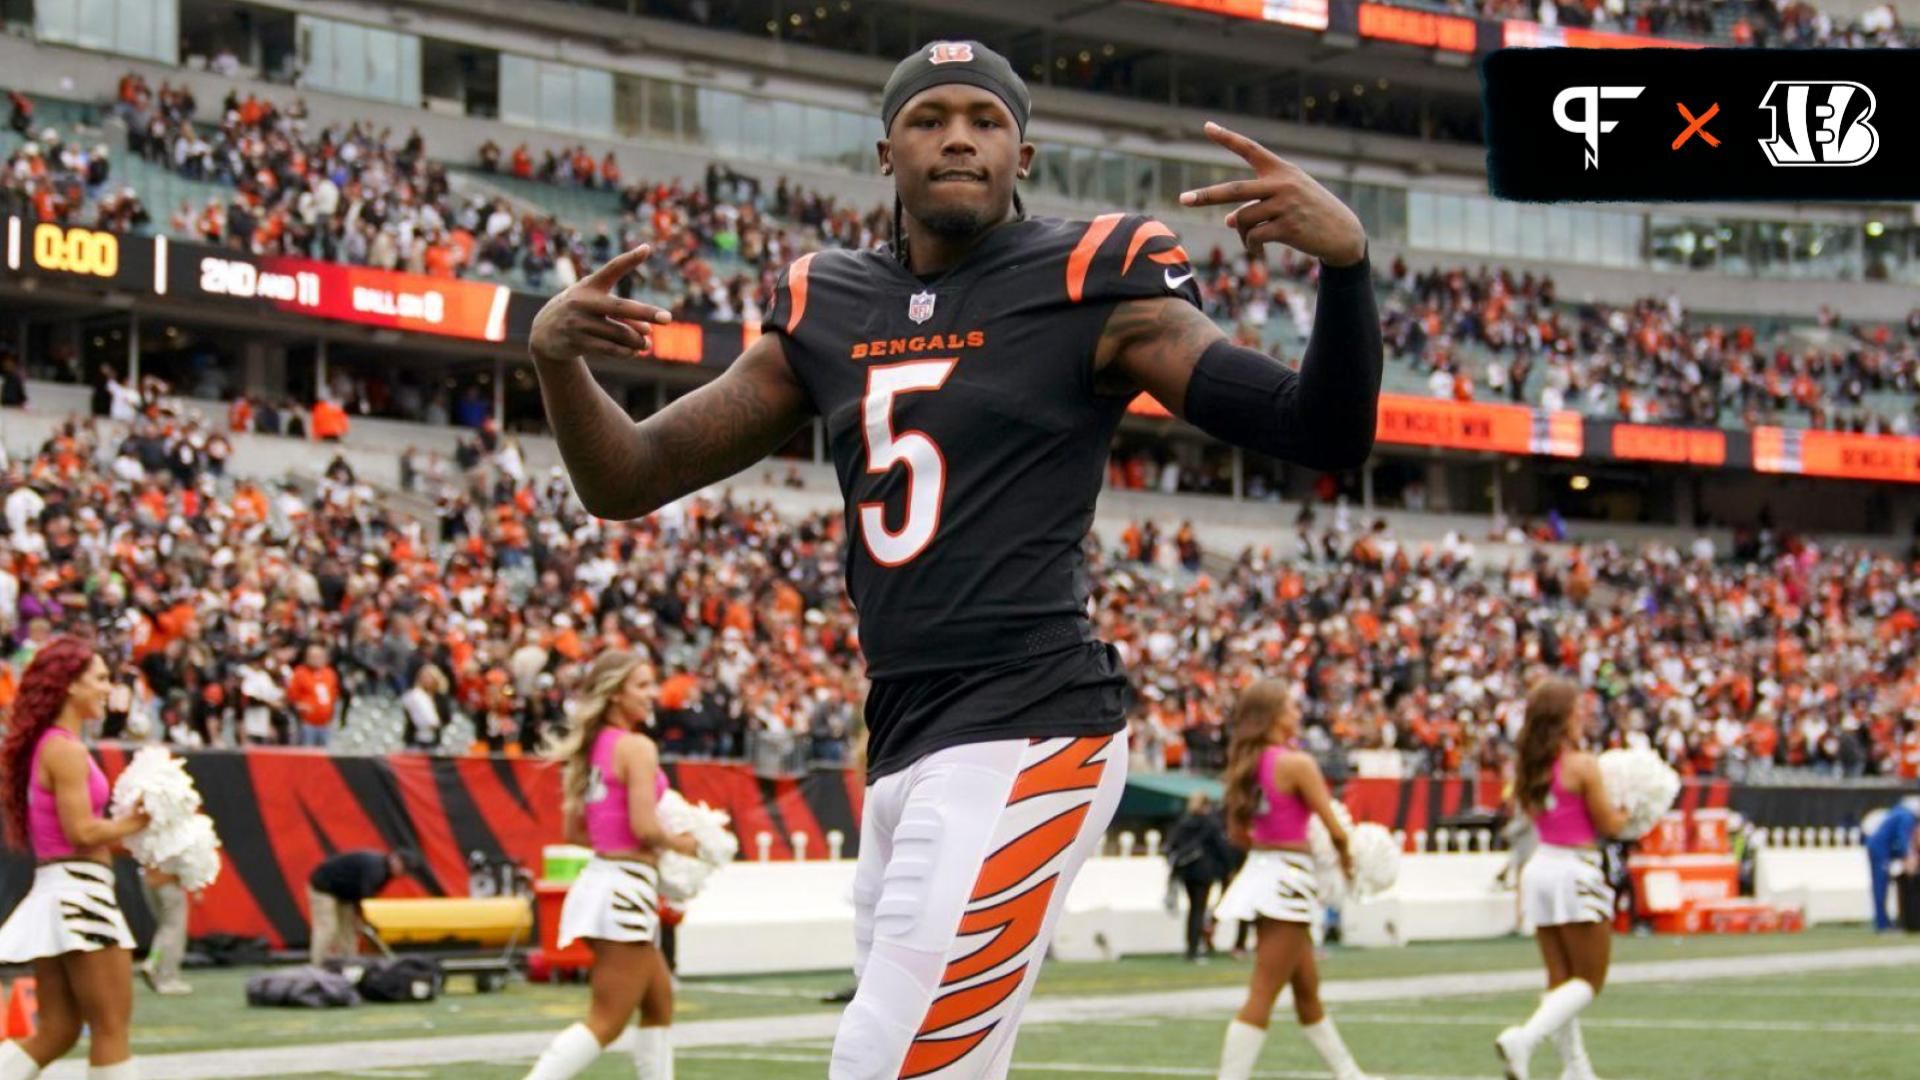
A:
1575	1064
1558	1006
653	1054
1242	1049
1326	1042
125	1070
1515	1051
16	1063
567	1056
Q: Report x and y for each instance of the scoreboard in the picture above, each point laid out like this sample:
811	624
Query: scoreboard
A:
158	266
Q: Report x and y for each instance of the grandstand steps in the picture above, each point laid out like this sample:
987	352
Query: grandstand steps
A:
583	208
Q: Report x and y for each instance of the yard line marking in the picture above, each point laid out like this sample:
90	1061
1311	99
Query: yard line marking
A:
758	991
1024	1067
306	1059
1834	1027
1783	992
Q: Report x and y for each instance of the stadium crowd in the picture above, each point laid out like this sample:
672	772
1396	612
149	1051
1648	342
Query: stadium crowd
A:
1760	23
364	196
1491	333
1775	655
242	612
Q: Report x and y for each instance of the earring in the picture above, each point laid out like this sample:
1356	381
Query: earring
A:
886	170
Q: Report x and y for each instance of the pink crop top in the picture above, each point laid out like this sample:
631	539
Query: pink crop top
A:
1565	821
43	813
609	829
1282	819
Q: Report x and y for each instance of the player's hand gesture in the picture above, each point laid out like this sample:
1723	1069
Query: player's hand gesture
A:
586	321
1282	204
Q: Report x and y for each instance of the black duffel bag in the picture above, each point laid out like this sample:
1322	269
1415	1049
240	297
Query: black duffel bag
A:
403	978
302	987
1906	889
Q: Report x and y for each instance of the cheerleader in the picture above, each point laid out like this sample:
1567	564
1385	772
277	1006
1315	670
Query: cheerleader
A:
69	927
613	780
1563	888
1272	789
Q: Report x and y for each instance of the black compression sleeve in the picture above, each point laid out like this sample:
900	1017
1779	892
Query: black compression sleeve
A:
1324	415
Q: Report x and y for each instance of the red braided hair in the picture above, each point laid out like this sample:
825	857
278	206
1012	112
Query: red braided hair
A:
43	693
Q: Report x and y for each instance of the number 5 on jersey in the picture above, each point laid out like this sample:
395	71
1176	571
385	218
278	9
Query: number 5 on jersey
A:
926	468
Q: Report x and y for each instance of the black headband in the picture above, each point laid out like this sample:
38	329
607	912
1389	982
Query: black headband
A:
944	62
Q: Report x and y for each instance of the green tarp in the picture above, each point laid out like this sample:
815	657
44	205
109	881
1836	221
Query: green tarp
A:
1164	795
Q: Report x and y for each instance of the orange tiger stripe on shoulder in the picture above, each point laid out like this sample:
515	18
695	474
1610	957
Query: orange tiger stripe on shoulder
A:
1081	260
1148	230
1153	230
797	287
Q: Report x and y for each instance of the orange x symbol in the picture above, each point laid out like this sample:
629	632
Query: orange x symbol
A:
1697	125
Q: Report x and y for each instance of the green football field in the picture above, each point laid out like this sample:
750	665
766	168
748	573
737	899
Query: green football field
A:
1792	1025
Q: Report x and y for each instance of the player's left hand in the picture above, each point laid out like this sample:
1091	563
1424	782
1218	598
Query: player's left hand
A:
1282	204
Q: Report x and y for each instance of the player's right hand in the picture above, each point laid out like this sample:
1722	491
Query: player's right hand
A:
586	321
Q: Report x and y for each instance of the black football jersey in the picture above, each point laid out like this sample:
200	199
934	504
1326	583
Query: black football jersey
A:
966	431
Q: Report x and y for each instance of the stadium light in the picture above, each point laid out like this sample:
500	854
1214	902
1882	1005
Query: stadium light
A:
1579	483
1876	228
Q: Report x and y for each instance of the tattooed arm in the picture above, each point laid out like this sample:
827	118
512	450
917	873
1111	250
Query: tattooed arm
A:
622	470
1152	346
1322	416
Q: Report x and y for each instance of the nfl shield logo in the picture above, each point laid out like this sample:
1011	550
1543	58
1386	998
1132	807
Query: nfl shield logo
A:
920	307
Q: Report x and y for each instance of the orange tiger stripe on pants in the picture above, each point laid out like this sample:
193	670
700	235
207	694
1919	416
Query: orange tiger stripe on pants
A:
1014	924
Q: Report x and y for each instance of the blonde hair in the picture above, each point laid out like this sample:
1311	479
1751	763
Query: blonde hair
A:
603	679
1249	733
1550	708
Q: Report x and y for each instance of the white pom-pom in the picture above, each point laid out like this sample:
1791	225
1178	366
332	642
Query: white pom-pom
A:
681	876
158	782
181	841
1376	859
1321	842
1641	784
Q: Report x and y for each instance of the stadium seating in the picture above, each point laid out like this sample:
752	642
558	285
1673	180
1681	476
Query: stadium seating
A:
1460	333
1449	715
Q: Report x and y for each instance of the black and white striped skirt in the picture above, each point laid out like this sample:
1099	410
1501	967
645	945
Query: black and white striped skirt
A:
1277	885
71	908
612	900
1562	885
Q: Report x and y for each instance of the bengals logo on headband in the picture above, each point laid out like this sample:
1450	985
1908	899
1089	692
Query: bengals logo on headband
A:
950	52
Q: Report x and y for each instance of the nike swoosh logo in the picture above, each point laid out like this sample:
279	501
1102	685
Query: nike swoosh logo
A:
1174	281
